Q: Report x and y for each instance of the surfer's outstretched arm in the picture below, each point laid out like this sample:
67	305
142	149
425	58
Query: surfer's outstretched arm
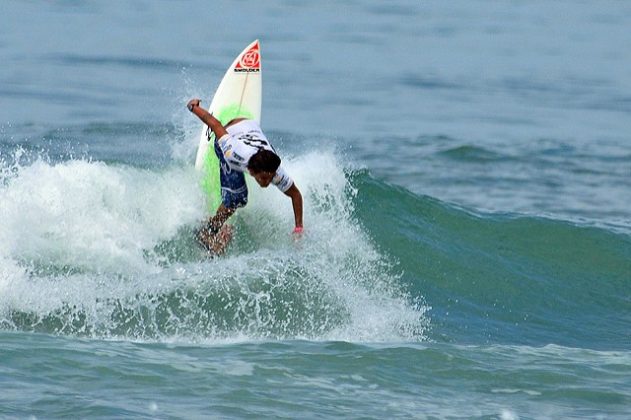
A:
207	118
296	200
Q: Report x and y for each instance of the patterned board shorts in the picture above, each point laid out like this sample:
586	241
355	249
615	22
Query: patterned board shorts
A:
234	191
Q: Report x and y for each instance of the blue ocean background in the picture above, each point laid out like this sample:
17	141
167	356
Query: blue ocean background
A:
466	169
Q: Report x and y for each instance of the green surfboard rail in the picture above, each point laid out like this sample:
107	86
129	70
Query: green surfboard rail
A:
210	179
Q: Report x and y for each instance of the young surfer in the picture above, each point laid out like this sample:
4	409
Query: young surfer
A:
241	146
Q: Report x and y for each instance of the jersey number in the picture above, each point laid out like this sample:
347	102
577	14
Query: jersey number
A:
253	141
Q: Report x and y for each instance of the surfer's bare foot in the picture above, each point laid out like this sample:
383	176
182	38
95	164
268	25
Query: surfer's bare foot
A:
215	243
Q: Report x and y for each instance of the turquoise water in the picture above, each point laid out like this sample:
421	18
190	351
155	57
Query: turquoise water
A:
466	168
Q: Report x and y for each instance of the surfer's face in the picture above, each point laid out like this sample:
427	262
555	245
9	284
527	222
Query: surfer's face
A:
263	178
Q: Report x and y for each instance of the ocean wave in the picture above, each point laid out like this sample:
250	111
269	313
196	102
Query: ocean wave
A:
503	277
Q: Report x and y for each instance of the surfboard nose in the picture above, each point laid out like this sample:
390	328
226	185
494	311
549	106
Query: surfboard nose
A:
250	59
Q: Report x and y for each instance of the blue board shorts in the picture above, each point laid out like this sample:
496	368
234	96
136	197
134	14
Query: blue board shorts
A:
234	191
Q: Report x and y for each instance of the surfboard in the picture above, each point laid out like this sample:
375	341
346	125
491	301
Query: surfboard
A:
239	95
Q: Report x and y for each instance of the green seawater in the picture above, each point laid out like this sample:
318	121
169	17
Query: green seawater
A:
289	379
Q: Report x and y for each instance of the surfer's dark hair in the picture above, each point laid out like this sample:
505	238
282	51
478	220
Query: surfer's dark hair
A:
264	161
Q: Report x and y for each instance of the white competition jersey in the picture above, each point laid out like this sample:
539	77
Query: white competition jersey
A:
243	140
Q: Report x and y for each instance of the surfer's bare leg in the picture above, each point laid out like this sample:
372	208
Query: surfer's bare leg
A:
223	213
217	243
215	236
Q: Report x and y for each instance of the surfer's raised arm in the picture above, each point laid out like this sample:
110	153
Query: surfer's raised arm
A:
206	117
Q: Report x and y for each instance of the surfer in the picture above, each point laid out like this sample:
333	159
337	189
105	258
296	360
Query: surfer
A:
242	147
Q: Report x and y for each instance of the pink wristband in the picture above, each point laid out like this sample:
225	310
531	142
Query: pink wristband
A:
298	229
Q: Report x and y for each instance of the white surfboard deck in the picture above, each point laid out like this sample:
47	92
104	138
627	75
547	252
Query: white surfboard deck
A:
239	95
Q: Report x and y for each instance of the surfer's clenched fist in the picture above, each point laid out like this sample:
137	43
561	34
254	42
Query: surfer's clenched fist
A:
193	103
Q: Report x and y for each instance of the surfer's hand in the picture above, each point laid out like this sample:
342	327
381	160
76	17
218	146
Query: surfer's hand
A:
297	232
193	103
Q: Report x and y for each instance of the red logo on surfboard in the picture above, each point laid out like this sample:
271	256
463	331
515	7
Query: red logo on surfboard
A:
250	61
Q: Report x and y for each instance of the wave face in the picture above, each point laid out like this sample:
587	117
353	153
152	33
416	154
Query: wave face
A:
501	278
107	250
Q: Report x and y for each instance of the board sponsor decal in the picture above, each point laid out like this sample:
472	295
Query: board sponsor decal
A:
250	61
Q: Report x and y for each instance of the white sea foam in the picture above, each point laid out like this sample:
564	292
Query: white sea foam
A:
92	248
